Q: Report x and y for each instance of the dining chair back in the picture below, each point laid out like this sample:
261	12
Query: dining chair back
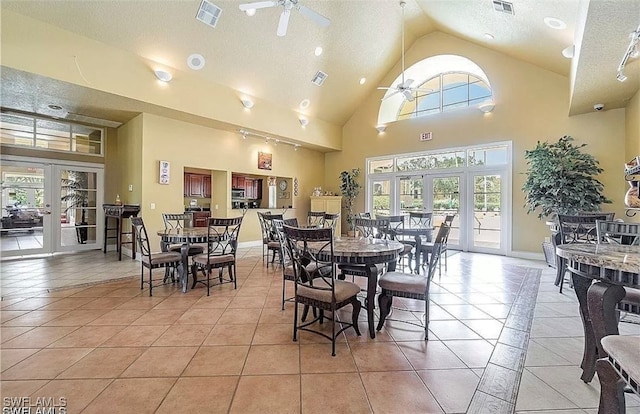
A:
316	285
285	257
366	215
152	260
176	221
222	246
371	228
396	284
395	229
331	221
315	218
617	232
579	228
270	241
420	219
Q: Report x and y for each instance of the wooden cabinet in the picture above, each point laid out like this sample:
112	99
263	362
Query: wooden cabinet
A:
197	185
328	204
237	181
201	218
252	186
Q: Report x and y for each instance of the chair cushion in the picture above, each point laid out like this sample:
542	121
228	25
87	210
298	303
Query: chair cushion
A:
273	245
311	268
162	258
214	259
625	350
407	249
403	282
344	290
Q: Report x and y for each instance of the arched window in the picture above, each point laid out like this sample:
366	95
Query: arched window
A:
446	82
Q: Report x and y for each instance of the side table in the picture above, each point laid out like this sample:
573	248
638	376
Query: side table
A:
118	213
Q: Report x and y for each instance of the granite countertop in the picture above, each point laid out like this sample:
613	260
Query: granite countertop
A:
608	256
354	247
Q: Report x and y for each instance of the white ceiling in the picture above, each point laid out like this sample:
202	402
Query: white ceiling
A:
363	40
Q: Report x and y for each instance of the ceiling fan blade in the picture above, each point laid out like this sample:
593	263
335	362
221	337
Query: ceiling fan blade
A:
315	16
407	84
385	87
284	22
258	5
389	95
407	94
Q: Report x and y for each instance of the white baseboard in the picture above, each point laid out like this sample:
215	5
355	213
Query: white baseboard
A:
253	243
526	255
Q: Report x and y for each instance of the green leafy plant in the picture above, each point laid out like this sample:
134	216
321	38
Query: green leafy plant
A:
560	179
349	188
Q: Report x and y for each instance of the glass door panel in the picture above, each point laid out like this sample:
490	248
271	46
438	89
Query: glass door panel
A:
26	224
487	212
411	194
79	202
446	200
381	191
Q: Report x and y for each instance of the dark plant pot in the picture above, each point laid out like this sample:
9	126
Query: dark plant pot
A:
82	232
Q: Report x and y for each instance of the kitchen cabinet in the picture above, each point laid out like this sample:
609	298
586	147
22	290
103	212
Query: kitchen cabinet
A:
201	218
252	186
197	185
237	181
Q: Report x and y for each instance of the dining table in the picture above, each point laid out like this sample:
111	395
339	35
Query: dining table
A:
600	274
365	252
186	236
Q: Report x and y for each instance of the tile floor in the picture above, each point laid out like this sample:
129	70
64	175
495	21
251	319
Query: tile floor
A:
502	339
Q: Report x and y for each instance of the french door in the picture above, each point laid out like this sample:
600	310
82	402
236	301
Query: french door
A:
49	207
488	215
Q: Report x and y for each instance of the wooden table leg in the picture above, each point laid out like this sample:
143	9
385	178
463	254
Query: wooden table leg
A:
372	286
590	352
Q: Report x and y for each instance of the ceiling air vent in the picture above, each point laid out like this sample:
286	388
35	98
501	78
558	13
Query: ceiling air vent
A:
209	13
503	6
319	78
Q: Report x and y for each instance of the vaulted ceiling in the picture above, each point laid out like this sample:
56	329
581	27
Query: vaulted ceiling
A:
362	41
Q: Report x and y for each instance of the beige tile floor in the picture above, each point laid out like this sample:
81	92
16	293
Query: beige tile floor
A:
109	347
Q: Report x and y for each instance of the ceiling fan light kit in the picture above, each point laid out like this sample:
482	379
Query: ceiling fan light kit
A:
287	6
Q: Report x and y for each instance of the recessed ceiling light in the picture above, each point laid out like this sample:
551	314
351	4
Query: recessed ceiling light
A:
568	52
318	51
54	107
163	75
489	36
555	23
250	12
362	81
304	104
196	61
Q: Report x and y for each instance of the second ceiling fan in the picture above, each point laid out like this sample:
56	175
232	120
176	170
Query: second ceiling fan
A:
404	87
287	6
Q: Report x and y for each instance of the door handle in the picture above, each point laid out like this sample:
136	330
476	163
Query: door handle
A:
47	212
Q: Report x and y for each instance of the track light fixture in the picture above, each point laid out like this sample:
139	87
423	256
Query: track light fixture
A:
163	75
631	53
267	139
381	128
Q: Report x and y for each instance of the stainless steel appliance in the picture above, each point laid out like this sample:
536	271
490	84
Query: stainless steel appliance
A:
237	193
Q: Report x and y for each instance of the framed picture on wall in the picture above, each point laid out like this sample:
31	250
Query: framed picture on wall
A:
264	161
165	172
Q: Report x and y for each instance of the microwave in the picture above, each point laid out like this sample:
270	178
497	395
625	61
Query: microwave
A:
237	193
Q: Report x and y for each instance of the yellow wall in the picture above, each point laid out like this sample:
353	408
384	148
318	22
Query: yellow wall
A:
531	105
184	144
130	142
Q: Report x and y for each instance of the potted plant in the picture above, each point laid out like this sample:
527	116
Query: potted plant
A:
349	188
561	179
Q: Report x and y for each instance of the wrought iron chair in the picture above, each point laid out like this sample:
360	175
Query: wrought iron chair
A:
287	262
315	218
396	226
366	215
222	241
420	219
428	247
152	260
270	241
395	284
620	368
179	221
331	220
319	289
576	229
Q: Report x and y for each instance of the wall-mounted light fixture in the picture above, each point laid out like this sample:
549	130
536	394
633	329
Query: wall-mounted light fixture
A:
632	52
267	139
304	122
163	75
381	128
568	52
247	103
487	107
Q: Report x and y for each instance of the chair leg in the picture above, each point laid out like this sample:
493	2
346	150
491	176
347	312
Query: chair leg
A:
142	278
384	303
333	330
426	318
355	313
295	320
150	281
208	280
611	389
283	291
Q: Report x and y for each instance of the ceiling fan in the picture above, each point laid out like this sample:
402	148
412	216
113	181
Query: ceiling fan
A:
287	5
404	87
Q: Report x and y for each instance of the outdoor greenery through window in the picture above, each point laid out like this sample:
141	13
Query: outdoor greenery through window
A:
39	133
